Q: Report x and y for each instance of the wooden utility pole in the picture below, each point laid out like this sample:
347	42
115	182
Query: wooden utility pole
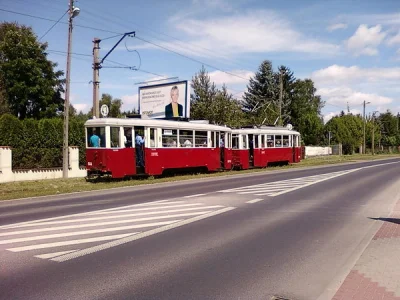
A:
373	137
96	82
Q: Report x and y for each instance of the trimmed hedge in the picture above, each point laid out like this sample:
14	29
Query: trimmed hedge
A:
39	143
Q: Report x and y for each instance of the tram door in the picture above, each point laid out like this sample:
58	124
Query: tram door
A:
139	146
221	146
251	150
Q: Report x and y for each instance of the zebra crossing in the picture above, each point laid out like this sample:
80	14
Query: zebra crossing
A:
273	189
67	237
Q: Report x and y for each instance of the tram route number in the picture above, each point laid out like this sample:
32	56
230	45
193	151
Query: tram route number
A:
149	112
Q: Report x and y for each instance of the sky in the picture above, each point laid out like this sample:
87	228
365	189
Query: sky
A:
350	49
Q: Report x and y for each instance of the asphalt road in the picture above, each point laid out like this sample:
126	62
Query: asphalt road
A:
293	234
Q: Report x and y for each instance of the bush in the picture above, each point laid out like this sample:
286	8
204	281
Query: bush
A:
39	143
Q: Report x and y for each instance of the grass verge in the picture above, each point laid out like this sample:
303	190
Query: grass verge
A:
26	189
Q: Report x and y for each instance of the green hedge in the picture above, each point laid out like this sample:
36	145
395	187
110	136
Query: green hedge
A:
39	143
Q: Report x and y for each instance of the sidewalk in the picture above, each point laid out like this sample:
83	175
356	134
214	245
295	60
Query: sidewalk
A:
376	275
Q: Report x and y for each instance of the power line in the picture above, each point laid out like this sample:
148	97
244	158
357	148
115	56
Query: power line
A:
190	58
51	20
58	51
53	25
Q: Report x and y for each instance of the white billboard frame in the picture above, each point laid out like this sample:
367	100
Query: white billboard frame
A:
158	100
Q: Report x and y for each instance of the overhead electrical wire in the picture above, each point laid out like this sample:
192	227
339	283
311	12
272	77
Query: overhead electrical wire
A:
58	21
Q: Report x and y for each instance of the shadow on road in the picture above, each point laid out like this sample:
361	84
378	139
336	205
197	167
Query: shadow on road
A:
391	220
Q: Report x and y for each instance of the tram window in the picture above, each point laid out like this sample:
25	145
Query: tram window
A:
92	132
152	137
114	132
244	139
278	141
170	137
200	138
262	141
128	137
286	141
213	134
235	141
186	138
256	143
270	141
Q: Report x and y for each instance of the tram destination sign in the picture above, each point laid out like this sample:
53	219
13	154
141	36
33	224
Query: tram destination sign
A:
166	100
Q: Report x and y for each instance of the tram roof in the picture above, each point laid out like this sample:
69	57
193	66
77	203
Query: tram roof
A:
266	130
170	124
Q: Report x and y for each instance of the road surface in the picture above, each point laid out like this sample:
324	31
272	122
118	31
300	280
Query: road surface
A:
253	236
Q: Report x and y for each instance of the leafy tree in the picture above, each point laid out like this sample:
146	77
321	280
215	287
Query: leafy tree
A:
305	111
30	85
210	103
288	80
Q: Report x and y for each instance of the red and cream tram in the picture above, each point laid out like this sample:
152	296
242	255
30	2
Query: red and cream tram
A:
260	147
128	147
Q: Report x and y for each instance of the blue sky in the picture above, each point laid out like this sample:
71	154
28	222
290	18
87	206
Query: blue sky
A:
351	49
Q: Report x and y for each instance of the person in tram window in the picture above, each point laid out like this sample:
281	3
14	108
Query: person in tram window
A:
174	109
127	139
221	142
187	143
139	150
94	139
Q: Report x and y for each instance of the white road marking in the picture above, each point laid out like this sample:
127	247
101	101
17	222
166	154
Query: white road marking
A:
143	209
72	242
113	217
138	236
54	254
277	188
88	213
255	200
373	166
192	196
101	224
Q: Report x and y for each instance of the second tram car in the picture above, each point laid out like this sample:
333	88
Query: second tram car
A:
128	147
260	147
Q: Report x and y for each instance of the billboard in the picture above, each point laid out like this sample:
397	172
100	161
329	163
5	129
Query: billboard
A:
166	100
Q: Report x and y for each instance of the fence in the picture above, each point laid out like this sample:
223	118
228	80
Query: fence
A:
7	174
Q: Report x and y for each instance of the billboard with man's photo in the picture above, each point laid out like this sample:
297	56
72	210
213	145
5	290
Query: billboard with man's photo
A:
166	100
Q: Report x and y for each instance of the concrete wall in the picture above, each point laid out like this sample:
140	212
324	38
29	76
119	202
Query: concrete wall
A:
8	175
317	151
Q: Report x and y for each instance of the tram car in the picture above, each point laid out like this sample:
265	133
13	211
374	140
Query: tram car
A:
135	146
264	146
128	147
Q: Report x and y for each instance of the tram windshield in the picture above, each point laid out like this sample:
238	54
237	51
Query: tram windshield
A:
96	137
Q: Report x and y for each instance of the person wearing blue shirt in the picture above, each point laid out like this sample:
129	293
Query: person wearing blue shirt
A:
139	150
94	140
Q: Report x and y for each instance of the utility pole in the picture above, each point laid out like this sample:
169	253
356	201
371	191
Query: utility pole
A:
373	136
280	97
96	68
329	138
96	71
72	12
364	103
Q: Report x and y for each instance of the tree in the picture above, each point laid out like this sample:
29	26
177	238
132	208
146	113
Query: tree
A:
259	102
31	87
288	79
210	103
305	111
114	106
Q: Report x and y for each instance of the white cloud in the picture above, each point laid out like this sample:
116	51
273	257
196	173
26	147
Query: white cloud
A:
343	75
337	26
394	40
384	19
248	32
345	95
366	40
129	102
330	115
219	77
81	107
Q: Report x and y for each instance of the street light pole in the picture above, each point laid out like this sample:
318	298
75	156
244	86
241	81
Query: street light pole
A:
73	12
364	125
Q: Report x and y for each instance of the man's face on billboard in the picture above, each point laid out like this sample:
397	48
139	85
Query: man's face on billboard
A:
175	96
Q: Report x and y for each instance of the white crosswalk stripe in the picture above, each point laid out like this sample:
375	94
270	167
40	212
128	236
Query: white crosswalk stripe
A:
277	188
70	236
